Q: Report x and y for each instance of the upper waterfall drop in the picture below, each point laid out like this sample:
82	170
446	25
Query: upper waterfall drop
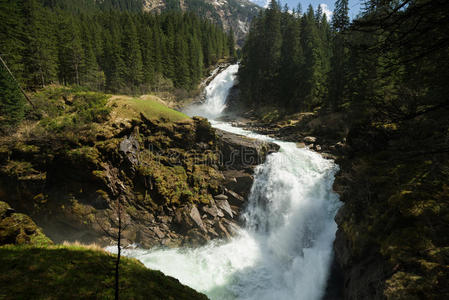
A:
216	94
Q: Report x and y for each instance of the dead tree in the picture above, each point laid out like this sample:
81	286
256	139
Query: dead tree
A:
119	220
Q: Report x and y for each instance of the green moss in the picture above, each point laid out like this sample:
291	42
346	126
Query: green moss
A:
19	169
89	155
40	198
16	228
75	272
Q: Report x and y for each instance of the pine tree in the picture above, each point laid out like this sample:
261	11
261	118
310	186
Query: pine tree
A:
11	35
338	73
132	56
12	102
340	18
40	55
231	44
182	78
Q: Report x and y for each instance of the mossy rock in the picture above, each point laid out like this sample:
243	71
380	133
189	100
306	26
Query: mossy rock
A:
19	229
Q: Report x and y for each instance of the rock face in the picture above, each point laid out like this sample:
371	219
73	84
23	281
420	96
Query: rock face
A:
177	183
239	152
235	14
392	240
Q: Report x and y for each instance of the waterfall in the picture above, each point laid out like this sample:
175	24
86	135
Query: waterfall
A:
216	93
285	249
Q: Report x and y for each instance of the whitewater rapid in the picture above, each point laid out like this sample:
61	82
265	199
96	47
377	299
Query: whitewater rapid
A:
284	250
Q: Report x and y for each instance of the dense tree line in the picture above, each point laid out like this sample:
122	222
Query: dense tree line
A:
107	50
390	63
286	58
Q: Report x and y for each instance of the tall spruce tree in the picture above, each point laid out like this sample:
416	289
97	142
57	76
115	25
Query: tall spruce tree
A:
339	62
12	102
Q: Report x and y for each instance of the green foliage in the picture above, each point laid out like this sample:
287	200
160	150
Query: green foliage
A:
63	109
12	102
286	59
19	229
82	273
107	45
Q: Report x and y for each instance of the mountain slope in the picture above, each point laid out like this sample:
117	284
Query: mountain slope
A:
235	14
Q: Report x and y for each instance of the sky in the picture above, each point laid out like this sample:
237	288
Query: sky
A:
327	5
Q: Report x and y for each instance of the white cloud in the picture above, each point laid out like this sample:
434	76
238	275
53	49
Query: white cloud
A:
327	11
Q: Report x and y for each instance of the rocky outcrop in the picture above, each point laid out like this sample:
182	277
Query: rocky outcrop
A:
235	14
239	152
177	182
19	229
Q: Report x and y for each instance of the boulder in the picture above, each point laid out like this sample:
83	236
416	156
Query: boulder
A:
234	198
213	211
221	228
158	232
309	140
196	217
238	151
221	197
224	205
241	181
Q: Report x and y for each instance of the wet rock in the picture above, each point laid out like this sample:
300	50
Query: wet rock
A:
213	232
234	198
309	140
328	156
213	211
158	232
224	205
221	197
241	183
239	151
231	226
196	217
221	228
165	219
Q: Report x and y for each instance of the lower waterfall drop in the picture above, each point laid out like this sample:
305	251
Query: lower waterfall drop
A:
285	249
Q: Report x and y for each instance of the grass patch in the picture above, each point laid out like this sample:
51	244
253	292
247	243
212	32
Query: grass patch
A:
151	108
77	272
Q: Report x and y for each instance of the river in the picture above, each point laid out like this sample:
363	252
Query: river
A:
285	249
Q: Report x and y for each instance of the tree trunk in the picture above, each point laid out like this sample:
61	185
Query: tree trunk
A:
117	263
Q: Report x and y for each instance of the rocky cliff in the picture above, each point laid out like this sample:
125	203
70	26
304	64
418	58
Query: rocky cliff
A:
176	180
235	14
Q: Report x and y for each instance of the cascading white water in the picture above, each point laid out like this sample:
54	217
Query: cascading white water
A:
216	93
284	251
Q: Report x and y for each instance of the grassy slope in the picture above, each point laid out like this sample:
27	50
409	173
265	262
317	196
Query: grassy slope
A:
150	107
76	272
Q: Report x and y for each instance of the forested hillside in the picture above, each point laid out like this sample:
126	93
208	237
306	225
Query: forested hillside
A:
111	50
286	59
229	14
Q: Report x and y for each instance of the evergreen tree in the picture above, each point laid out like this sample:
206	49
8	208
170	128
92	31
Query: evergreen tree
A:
11	35
231	44
339	62
132	56
40	55
12	102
